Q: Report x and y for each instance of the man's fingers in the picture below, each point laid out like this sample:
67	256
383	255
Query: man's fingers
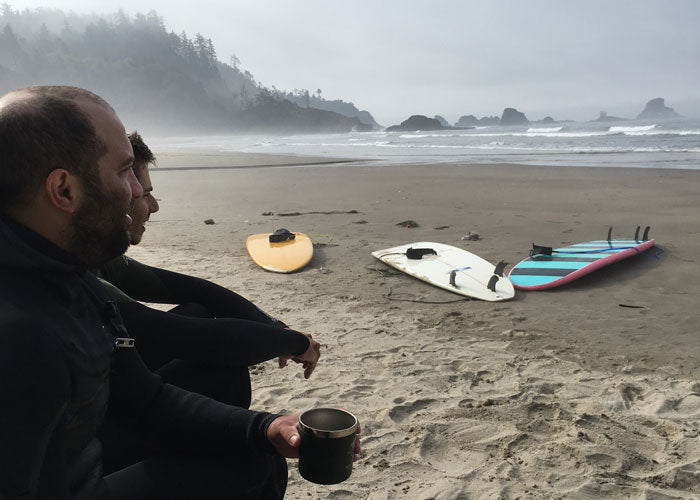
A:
309	369
292	437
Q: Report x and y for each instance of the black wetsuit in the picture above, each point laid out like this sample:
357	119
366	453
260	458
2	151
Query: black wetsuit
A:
151	284
204	345
60	373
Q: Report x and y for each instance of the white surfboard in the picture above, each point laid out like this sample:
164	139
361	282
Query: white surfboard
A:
450	268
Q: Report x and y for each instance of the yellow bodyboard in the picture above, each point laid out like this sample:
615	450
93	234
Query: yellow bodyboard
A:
281	257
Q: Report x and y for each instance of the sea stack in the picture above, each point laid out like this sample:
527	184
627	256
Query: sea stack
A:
415	123
512	116
656	109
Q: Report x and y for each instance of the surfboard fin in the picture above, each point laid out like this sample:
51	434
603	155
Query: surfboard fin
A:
499	268
636	233
418	253
646	233
492	283
609	234
453	275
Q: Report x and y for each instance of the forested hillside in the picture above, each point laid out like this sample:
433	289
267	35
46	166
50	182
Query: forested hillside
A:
157	80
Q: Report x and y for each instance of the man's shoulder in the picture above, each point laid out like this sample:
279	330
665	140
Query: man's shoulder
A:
118	260
21	327
117	264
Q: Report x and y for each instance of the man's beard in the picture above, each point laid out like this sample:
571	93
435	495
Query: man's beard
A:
99	230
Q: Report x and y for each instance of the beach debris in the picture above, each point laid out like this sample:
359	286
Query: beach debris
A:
360	222
632	307
441	227
408	224
382	464
331	212
209	222
471	236
321	240
267	214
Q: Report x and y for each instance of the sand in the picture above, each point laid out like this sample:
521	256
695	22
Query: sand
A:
555	394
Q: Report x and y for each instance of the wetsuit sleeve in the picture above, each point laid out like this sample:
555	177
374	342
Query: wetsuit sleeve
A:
231	341
35	389
151	284
182	420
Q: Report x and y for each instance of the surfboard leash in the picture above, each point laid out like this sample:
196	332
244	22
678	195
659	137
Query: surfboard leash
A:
388	296
385	273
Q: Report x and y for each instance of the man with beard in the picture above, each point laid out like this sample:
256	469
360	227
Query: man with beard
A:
243	334
66	182
205	344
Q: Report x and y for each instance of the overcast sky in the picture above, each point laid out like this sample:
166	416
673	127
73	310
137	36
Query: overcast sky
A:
394	58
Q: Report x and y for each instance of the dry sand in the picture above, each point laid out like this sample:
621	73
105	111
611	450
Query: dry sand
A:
555	394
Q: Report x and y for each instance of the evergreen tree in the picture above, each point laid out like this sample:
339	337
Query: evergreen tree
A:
151	76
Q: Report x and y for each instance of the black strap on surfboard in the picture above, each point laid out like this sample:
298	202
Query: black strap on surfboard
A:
540	250
499	268
492	283
281	235
418	253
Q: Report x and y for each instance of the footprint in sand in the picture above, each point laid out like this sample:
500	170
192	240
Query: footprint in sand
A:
400	413
630	394
439	450
602	460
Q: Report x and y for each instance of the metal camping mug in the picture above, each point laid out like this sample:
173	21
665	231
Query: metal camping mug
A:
327	445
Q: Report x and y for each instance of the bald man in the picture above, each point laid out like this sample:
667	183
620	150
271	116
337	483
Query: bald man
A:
66	359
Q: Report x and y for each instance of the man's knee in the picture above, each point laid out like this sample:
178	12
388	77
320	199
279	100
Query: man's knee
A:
193	310
175	477
270	478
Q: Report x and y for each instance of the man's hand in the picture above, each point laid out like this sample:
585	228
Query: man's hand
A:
283	433
308	359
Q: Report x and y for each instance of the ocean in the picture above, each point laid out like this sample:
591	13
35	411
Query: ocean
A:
631	144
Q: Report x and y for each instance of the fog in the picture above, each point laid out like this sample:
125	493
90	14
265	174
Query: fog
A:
394	58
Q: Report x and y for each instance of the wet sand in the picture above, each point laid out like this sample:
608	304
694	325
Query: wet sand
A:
561	393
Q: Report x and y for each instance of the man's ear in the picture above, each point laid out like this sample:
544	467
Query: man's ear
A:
63	190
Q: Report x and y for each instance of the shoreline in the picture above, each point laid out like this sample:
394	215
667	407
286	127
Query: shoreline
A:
169	159
553	394
172	160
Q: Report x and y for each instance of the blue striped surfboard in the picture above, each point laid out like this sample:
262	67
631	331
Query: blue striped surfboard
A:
566	264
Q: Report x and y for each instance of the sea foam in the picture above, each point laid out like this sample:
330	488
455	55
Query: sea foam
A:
641	128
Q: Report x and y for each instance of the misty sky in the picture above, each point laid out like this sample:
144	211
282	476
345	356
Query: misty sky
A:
395	58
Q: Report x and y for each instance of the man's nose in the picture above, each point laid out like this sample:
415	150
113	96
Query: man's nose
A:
154	205
136	189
